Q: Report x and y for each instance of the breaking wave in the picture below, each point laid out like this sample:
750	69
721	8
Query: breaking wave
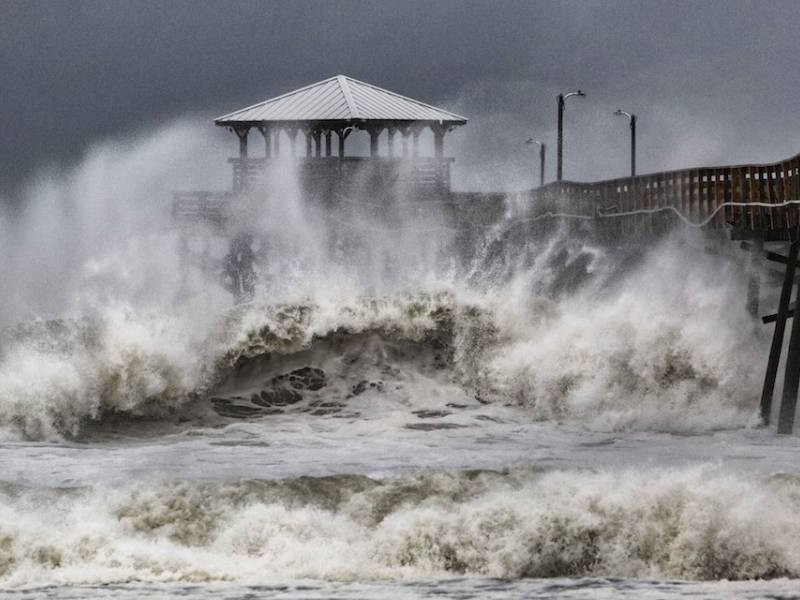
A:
664	346
697	523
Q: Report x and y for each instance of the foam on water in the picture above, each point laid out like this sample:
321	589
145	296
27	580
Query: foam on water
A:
696	523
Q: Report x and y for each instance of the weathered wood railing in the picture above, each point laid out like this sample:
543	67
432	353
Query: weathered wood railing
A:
423	174
695	193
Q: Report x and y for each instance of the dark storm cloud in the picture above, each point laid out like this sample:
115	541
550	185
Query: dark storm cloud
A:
711	81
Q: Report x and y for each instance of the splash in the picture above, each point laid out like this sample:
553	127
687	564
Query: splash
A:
556	325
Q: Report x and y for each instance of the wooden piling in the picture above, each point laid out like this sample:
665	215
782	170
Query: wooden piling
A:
777	336
791	379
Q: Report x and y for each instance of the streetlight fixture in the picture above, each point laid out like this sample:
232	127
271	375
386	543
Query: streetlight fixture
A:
541	158
560	153
632	119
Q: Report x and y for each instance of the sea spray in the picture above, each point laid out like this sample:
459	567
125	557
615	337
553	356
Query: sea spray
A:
558	325
641	353
666	345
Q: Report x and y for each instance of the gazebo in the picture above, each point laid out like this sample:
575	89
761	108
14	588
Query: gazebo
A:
340	105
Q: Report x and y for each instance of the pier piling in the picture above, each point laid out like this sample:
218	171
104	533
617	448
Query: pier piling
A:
780	327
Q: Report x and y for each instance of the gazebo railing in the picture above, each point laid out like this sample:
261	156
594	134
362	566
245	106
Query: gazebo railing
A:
424	173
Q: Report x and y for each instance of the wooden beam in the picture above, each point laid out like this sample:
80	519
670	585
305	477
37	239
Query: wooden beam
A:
774	256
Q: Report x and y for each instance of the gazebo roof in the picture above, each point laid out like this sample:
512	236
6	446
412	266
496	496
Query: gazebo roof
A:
342	100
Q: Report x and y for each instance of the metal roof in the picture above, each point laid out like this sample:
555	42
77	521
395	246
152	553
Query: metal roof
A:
342	99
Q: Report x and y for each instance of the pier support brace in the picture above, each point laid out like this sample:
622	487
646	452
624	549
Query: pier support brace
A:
777	337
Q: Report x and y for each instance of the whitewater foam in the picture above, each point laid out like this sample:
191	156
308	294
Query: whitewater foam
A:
642	353
696	523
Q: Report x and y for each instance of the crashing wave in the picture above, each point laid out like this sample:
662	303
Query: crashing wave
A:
641	353
697	523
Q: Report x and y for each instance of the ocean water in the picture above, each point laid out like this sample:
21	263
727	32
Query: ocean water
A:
390	417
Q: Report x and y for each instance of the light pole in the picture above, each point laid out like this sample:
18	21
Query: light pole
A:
632	119
541	158
560	153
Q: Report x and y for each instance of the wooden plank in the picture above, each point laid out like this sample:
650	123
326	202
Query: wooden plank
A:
767	319
774	256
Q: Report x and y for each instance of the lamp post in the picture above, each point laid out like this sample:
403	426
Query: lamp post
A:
632	119
560	153
541	158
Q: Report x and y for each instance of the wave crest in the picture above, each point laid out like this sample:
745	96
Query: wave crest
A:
637	353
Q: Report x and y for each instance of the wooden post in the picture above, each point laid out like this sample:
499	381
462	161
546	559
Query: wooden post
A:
777	336
374	137
343	133
438	140
328	143
318	143
292	132
242	132
791	379
265	131
405	133
276	144
415	134
392	131
309	138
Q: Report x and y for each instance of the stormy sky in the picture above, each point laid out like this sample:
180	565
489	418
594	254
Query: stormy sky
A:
711	82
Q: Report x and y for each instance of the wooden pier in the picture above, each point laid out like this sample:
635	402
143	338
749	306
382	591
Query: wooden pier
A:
696	194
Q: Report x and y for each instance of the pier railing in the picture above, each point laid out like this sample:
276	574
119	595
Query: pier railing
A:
738	197
696	193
